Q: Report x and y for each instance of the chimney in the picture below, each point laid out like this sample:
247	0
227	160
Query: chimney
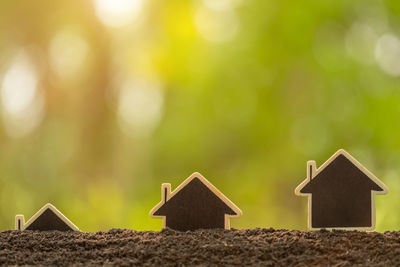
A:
311	169
165	192
19	222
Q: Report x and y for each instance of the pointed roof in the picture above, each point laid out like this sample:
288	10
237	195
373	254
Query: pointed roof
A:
344	158
185	189
49	218
195	195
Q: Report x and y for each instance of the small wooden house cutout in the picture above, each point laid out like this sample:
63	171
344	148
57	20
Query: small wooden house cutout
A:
47	218
194	204
341	194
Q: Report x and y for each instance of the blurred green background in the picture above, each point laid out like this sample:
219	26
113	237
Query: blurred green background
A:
101	101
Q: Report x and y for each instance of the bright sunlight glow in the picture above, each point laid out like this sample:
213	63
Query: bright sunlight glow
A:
21	101
117	13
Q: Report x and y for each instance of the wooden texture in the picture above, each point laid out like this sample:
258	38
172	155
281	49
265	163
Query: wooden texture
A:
195	204
47	218
341	194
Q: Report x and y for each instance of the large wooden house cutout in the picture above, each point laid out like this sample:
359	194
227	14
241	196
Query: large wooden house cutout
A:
194	204
47	218
341	194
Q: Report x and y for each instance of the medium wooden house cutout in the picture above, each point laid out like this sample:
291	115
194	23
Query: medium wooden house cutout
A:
194	204
47	218
341	194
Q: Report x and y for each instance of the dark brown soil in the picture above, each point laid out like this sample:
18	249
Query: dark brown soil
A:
263	247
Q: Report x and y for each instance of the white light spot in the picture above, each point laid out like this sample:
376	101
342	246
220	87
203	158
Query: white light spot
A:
68	52
140	107
360	43
22	103
387	53
222	4
216	25
117	13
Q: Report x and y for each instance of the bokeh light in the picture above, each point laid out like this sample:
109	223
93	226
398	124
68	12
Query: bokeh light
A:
118	13
388	54
360	43
68	54
140	107
21	99
216	25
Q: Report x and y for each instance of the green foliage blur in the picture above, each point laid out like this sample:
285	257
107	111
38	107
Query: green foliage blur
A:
104	100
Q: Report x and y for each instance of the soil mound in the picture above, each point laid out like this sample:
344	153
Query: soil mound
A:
263	247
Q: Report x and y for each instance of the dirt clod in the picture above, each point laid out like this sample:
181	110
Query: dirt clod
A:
263	247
